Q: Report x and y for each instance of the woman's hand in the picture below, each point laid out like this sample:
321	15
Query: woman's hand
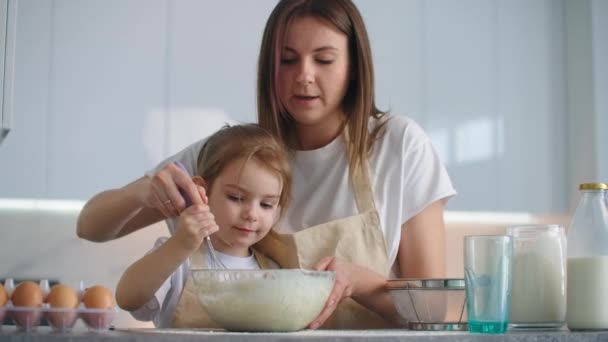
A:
166	189
344	286
362	284
195	223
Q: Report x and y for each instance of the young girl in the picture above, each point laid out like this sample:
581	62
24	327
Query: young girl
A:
369	189
247	178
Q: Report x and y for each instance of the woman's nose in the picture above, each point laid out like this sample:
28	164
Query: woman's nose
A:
305	73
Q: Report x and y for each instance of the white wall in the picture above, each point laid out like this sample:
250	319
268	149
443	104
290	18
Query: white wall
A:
587	74
105	89
599	22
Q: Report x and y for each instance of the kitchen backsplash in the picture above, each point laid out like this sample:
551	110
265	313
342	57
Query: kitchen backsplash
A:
39	244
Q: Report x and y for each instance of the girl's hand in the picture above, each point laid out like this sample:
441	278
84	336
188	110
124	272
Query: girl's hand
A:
344	285
163	191
195	223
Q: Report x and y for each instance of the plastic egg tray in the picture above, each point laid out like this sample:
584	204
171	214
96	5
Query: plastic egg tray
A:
60	320
27	319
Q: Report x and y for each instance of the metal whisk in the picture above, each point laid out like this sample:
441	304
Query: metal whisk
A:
214	256
216	260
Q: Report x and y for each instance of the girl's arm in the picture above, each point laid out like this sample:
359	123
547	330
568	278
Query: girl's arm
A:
141	280
118	212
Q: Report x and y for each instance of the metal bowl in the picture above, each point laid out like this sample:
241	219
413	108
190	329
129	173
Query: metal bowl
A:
430	304
263	300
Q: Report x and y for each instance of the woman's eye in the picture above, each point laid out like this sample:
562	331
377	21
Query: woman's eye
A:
325	61
288	60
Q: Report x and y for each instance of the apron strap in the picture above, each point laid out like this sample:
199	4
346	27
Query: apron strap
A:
281	248
362	188
263	260
361	182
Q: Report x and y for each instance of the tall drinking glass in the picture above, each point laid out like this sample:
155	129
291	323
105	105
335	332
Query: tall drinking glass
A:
487	269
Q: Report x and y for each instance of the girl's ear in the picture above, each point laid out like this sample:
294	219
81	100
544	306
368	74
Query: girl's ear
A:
198	180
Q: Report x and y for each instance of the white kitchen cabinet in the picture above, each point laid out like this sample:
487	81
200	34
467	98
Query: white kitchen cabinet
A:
108	93
212	60
494	101
23	153
532	92
8	28
459	99
90	97
398	59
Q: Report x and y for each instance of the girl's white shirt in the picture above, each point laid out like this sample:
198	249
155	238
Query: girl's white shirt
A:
161	308
406	176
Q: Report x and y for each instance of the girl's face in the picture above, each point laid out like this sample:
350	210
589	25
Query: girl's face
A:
314	73
244	201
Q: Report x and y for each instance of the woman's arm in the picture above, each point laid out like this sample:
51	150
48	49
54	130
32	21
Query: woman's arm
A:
421	255
363	285
118	212
422	247
115	213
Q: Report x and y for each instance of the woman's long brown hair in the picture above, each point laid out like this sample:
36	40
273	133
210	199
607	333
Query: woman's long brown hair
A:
358	103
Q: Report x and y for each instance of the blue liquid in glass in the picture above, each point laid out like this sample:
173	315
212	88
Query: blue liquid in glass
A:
488	327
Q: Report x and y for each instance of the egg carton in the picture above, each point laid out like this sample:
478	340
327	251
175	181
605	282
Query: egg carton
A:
27	319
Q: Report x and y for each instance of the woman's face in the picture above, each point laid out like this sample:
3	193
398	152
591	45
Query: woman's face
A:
244	201
314	72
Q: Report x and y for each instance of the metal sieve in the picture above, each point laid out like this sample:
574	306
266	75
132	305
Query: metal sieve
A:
430	304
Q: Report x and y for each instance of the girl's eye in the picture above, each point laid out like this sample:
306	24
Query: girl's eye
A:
325	61
266	205
235	198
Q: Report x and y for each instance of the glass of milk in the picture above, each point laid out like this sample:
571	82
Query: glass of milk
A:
538	299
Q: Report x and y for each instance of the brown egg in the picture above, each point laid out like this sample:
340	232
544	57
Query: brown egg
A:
62	296
3	296
98	297
27	294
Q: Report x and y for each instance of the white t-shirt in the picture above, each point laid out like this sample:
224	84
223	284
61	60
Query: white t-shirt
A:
170	291
406	176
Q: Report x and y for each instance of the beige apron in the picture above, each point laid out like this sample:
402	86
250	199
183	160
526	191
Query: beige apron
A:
357	238
189	313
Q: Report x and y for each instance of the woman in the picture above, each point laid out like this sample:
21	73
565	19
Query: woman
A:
368	188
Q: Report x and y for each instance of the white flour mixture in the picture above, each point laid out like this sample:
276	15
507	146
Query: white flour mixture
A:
277	300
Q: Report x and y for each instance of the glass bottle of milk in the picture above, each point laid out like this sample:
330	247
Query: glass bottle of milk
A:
587	284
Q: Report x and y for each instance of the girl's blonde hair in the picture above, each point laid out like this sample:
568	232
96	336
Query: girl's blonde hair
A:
248	141
358	103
